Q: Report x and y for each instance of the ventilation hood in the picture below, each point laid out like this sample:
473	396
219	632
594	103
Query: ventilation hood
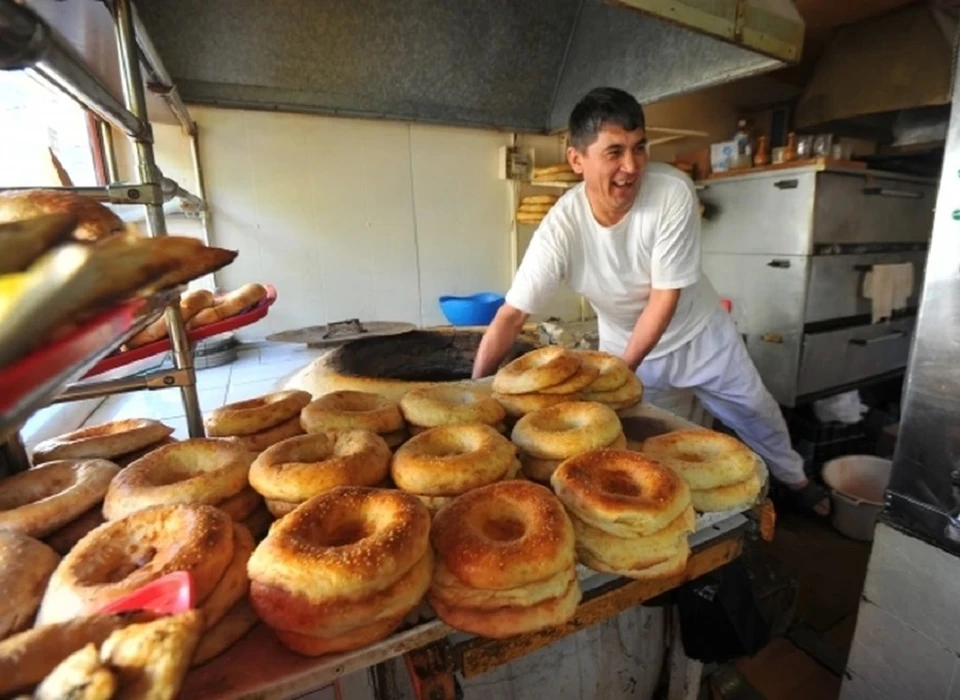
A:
884	72
499	63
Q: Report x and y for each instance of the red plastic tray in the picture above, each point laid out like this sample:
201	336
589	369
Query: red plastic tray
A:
32	378
125	357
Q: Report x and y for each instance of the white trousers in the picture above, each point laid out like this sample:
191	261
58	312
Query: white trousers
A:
715	366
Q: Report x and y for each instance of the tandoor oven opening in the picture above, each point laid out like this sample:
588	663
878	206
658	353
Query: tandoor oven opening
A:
417	356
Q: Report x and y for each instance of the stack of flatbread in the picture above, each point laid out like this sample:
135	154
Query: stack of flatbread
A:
561	172
532	209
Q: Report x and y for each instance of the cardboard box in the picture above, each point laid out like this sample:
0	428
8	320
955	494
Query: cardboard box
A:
722	155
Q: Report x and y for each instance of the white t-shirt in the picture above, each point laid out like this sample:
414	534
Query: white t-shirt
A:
655	246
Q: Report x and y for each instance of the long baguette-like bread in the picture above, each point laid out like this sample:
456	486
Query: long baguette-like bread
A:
93	220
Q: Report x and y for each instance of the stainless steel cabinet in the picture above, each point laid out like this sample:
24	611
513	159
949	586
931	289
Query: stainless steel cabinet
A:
790	248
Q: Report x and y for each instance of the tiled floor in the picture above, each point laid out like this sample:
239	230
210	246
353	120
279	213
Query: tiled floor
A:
259	369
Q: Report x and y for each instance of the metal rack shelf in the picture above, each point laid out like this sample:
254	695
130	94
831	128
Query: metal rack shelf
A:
27	42
34	380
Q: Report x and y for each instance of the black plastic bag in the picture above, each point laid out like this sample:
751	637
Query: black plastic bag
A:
719	616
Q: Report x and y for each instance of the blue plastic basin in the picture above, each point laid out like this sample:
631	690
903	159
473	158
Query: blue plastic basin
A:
474	310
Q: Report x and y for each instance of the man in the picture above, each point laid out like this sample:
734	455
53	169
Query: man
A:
628	239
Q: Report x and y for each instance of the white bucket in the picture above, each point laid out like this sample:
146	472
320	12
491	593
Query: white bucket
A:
857	483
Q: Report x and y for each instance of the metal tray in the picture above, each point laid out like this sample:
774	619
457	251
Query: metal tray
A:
340	332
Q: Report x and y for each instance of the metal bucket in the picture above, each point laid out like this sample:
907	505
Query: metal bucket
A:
857	484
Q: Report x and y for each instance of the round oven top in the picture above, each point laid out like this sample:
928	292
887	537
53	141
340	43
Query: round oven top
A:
393	365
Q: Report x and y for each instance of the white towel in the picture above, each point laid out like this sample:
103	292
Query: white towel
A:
888	287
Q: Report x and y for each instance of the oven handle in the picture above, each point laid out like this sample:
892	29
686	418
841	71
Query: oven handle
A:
863	342
890	192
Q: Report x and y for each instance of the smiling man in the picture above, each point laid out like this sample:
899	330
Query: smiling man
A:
628	239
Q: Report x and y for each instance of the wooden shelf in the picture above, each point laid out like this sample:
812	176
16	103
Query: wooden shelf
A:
560	184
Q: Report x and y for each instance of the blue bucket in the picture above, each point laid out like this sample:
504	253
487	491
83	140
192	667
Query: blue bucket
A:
474	310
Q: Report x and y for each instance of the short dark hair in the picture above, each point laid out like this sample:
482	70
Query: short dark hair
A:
601	106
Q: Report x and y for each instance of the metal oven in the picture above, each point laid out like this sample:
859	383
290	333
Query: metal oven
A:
790	249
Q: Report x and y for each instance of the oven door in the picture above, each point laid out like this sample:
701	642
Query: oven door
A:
838	358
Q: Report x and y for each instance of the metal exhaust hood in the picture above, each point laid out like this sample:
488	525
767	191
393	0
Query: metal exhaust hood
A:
884	70
497	64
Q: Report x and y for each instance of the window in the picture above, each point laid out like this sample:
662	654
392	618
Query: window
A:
36	120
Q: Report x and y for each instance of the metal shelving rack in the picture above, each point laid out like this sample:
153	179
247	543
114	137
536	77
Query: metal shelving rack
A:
28	42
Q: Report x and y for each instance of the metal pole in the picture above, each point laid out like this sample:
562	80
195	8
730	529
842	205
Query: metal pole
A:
156	224
109	152
26	41
164	84
201	188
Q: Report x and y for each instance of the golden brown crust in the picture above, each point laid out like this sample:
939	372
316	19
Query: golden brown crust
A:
630	394
674	566
450	590
241	505
505	535
191	303
536	370
292	611
349	541
396	438
125	460
576	382
234	583
612	372
620	492
192	471
352	410
256	415
64	539
102	441
123	555
26	658
94	221
510	620
704	458
80	676
229	304
634	553
541	470
428	407
452	459
232	627
151	659
41	500
738	496
280	508
566	429
347	641
519	405
25	567
258	442
301	467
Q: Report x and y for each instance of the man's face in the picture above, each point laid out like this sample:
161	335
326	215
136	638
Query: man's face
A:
612	167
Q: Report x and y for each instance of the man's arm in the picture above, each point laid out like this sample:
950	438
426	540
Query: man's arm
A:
653	321
498	340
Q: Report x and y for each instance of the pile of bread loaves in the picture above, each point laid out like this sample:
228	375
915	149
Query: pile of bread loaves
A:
533	208
200	307
551	375
371	522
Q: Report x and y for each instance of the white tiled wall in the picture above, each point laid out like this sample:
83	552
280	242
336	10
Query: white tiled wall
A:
349	217
907	640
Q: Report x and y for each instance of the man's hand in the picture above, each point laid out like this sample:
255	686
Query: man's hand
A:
498	340
651	325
